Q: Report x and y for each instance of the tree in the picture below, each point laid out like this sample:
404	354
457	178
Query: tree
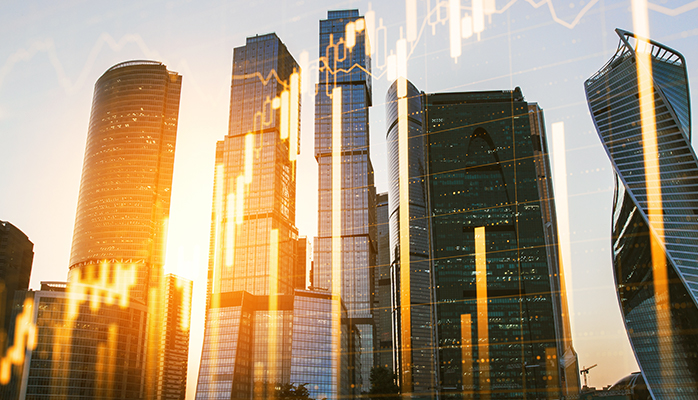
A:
383	385
289	391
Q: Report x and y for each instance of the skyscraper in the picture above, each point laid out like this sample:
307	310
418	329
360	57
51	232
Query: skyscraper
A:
341	113
124	200
641	109
252	261
16	256
174	343
99	334
479	311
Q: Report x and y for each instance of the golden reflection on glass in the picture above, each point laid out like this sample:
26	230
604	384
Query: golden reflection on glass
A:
563	222
483	338
653	180
25	339
551	368
272	339
337	230
404	218
105	367
466	349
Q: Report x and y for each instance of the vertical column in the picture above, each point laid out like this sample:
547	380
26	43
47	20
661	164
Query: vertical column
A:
337	232
272	340
483	338
652	180
404	217
466	333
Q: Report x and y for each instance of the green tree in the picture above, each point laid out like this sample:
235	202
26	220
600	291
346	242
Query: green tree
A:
383	385
289	391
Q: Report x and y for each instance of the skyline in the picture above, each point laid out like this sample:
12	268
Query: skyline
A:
72	109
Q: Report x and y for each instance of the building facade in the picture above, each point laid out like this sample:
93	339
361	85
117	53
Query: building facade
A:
16	256
124	199
100	334
174	343
125	189
478	306
262	328
655	223
341	108
80	353
382	301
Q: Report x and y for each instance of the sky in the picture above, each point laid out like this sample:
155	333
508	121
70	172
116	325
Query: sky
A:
52	53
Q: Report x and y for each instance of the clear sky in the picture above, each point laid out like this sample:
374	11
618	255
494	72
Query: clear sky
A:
51	54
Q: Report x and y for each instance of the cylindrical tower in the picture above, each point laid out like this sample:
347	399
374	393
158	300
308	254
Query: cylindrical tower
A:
124	200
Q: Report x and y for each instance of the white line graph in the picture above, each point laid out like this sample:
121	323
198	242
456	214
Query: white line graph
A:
70	86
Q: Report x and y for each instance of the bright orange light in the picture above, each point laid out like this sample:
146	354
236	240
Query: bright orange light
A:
404	216
25	339
483	336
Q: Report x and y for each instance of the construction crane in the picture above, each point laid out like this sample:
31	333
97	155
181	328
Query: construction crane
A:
585	372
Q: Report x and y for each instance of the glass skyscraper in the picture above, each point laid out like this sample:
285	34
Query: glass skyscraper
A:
478	307
173	355
253	233
345	65
655	243
124	200
262	328
99	333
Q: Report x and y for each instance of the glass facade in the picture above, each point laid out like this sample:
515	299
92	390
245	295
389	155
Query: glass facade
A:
382	300
346	67
416	369
311	346
256	348
174	344
124	199
98	355
256	259
661	323
483	272
16	256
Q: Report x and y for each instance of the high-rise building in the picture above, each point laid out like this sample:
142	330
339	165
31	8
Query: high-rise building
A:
80	353
640	105
341	108
382	301
16	256
479	312
100	334
124	200
262	328
174	343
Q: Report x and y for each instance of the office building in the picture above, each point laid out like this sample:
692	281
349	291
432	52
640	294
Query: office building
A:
99	335
479	312
16	256
346	95
174	343
262	328
80	353
124	199
655	210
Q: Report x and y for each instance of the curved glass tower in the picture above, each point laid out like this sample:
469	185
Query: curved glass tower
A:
655	243
124	200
